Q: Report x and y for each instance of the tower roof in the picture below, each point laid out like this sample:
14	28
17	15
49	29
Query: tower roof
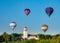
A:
25	27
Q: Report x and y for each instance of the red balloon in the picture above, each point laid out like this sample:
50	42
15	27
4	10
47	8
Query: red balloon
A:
27	11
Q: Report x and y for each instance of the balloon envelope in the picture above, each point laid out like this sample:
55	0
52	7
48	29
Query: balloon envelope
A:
49	11
44	27
27	11
13	25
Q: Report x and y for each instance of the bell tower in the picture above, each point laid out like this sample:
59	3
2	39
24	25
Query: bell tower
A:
25	33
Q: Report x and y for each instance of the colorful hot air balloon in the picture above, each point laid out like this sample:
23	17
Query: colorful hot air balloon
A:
13	25
49	11
44	27
27	11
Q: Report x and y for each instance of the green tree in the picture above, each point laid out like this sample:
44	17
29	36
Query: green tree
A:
20	35
48	37
1	38
41	36
6	37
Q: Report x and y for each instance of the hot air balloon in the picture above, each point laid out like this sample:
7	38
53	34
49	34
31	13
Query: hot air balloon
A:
13	25
49	11
27	11
44	27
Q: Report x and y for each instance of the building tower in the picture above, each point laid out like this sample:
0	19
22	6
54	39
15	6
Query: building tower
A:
25	33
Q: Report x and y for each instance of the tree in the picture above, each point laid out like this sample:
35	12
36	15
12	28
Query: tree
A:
48	37
41	36
20	35
6	37
1	38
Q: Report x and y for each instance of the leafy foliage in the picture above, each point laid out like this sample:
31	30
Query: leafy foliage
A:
6	38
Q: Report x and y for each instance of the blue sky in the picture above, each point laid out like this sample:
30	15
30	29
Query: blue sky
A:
13	10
